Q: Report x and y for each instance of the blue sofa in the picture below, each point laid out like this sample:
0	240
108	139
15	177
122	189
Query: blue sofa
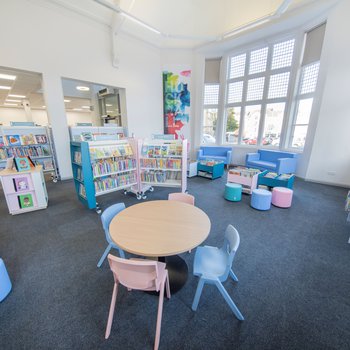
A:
215	153
276	161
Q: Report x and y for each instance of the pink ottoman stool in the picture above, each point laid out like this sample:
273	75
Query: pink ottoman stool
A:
282	197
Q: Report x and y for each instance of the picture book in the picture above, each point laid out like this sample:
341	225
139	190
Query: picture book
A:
3	154
122	150
150	151
41	138
13	140
285	176
172	150
27	139
87	136
128	150
144	150
21	184
157	152
22	163
47	163
46	150
25	201
271	175
164	150
2	141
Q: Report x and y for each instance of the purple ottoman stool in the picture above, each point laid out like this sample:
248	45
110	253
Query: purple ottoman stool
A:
282	197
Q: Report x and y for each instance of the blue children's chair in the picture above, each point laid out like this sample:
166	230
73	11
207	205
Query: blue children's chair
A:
106	219
213	266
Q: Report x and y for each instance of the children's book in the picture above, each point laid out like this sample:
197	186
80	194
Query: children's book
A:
2	141
3	154
87	136
157	151
13	140
21	184
150	151
47	163
41	138
27	139
46	150
164	150
144	150
25	201
22	163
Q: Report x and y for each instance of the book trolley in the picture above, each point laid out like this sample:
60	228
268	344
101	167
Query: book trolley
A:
33	141
162	163
247	177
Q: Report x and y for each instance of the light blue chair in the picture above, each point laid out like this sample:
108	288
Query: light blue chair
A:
213	266
106	219
5	282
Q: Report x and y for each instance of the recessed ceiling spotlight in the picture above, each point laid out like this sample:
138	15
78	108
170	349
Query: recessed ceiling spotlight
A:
77	109
83	88
67	101
43	106
17	101
85	107
108	105
7	77
17	96
10	104
5	87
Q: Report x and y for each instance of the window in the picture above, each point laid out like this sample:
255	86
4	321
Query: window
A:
258	85
210	114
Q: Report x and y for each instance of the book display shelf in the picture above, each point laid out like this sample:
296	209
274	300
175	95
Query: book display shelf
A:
101	167
24	191
210	169
162	163
271	179
247	177
33	141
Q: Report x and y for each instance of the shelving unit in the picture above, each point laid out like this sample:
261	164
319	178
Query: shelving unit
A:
33	141
271	179
247	177
162	163
24	191
210	169
101	167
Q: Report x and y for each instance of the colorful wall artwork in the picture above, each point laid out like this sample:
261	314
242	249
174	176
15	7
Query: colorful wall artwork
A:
177	103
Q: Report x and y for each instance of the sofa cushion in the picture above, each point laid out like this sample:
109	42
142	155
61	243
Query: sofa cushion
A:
263	164
215	151
273	156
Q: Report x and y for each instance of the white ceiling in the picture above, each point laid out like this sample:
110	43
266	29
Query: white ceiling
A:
183	23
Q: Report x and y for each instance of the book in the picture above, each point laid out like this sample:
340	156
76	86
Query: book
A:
45	150
2	141
47	163
164	150
13	140
22	163
285	176
3	154
21	184
27	139
25	201
87	136
270	175
41	138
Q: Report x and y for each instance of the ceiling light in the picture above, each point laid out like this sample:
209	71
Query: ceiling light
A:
110	111
77	109
67	101
85	107
17	96
247	26
43	106
108	105
5	87
10	104
83	88
17	101
7	77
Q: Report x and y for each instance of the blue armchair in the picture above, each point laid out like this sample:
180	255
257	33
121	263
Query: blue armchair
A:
223	154
276	161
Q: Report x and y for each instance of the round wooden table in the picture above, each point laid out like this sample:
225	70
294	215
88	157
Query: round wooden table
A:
162	229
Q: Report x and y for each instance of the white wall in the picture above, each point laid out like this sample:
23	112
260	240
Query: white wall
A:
8	115
330	156
37	37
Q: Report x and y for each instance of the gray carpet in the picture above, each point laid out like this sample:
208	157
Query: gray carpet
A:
292	265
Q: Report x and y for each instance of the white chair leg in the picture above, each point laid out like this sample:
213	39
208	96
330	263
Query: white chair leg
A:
111	311
167	286
229	301
234	277
104	255
198	294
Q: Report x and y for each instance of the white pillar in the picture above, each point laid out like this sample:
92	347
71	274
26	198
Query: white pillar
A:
53	93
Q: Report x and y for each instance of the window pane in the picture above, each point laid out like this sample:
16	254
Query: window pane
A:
237	66
232	124
211	94
273	124
258	59
278	85
309	78
304	111
282	54
255	89
235	91
299	136
251	124
209	125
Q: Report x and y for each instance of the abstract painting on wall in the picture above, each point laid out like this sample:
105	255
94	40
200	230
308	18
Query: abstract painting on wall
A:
176	100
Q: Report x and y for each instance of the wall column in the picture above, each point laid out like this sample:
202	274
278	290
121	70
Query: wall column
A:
53	93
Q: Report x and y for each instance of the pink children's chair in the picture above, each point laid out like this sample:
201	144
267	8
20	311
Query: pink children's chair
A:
139	274
181	197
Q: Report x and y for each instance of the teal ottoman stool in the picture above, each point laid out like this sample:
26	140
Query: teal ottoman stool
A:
261	199
5	283
233	192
